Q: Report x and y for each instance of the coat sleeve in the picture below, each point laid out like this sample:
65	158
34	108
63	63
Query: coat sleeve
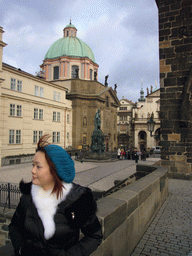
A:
85	219
17	224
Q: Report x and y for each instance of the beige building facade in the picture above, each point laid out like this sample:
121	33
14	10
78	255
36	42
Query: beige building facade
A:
140	116
29	108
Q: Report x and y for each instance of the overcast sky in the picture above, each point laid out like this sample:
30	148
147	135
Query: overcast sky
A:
123	35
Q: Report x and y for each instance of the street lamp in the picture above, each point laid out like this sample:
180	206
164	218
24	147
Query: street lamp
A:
151	125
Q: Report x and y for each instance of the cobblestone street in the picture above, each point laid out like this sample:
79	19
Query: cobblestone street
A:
171	231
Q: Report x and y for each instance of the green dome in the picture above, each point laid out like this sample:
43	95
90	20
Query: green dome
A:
69	46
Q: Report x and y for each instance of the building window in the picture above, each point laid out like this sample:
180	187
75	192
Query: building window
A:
19	110
11	136
39	91
12	109
68	118
34	136
56	116
13	139
41	114
36	90
73	71
114	137
56	72
67	33
67	135
91	74
19	85
35	113
57	96
38	113
37	135
121	118
40	134
123	108
107	101
71	32
18	136
56	137
13	83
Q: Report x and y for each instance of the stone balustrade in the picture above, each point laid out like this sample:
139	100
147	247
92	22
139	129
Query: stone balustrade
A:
126	214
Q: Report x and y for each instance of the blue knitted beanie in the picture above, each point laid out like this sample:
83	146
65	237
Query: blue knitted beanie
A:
63	162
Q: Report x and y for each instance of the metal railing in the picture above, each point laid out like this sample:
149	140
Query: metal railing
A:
9	195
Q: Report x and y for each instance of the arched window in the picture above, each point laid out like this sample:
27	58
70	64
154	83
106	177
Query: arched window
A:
67	33
56	72
74	71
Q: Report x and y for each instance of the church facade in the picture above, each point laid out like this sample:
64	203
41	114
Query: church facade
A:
70	63
141	113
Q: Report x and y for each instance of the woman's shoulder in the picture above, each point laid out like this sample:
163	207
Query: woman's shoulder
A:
25	187
81	203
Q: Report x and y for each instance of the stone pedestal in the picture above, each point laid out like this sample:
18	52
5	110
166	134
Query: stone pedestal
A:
97	142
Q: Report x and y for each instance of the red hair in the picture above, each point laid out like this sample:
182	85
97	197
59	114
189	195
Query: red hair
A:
58	187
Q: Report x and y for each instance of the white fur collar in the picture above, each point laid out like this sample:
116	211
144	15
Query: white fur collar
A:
46	204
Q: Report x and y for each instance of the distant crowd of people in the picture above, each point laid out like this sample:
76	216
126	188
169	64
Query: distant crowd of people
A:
131	155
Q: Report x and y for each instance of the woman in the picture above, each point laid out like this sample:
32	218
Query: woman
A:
52	209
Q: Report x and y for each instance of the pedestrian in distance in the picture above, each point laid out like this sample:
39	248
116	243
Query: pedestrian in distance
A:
136	157
53	209
118	153
76	155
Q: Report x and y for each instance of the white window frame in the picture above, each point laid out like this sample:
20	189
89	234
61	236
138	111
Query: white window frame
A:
54	116
54	137
11	136
12	110
19	85
58	117
36	113
19	110
18	137
13	84
40	114
36	91
34	136
56	96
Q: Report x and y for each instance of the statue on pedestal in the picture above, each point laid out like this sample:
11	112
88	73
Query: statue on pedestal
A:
97	138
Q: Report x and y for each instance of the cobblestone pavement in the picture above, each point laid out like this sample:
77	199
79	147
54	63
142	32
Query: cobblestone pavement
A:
171	231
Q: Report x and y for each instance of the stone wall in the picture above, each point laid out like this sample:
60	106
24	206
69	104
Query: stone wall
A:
175	43
125	215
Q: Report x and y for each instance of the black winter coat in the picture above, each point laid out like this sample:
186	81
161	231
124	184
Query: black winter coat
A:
75	213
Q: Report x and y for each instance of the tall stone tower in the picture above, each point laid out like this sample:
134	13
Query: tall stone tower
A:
175	43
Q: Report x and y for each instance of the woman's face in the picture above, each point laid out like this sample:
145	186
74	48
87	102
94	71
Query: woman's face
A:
41	174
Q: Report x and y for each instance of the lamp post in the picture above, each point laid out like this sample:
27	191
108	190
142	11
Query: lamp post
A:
151	125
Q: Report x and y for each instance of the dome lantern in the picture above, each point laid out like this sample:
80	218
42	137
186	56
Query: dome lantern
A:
70	31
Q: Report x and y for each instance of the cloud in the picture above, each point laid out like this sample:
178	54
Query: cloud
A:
122	34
